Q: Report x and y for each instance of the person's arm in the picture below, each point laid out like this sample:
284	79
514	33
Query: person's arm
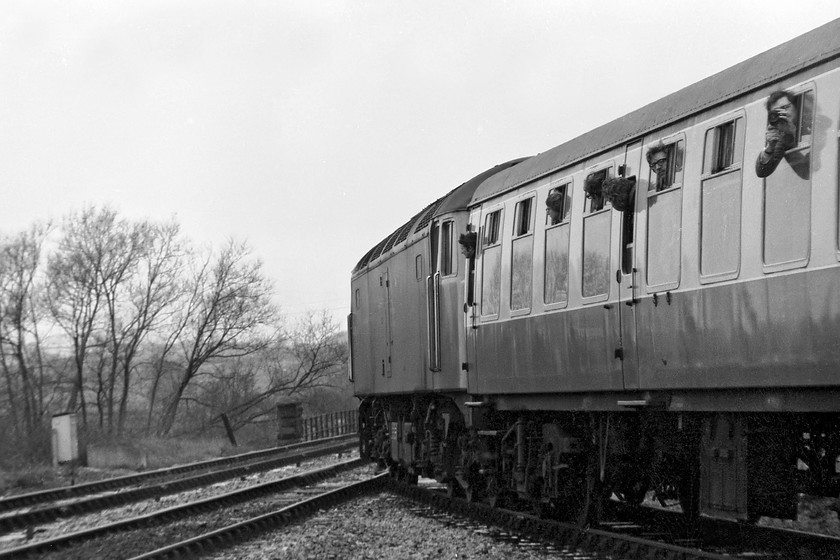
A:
768	159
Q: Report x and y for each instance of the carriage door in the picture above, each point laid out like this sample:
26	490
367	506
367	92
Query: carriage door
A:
627	274
470	326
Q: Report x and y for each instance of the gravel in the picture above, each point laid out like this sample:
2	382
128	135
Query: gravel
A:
384	526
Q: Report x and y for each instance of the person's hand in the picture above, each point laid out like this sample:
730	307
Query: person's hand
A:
771	139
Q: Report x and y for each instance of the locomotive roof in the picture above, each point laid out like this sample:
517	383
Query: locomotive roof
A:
456	199
819	45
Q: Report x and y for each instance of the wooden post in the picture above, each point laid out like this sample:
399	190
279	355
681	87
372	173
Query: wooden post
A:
229	430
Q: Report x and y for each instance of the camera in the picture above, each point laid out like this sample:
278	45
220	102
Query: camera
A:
773	117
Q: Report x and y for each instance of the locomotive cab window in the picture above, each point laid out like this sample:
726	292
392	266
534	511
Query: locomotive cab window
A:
556	280
491	265
787	189
522	247
447	244
720	200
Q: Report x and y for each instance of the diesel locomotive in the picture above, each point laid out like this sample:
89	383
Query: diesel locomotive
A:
667	328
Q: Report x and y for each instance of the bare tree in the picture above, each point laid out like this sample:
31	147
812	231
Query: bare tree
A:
227	315
311	356
20	259
151	299
74	287
119	249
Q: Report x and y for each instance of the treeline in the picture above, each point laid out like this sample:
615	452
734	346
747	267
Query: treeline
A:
139	332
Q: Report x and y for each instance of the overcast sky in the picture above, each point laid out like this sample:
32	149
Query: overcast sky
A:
313	129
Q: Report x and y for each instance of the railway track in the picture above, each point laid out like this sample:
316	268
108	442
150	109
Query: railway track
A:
211	520
207	525
305	449
644	534
29	510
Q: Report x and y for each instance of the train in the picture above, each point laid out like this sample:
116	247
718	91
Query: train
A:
643	312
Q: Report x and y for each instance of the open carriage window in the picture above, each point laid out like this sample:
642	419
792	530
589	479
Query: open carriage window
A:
557	205
593	189
787	180
666	165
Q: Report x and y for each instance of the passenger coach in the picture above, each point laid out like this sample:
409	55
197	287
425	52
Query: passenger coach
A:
673	330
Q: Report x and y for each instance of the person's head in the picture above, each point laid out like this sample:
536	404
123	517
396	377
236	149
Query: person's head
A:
781	104
657	158
554	206
467	242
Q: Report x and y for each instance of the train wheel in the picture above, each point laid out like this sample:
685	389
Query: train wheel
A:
495	495
411	478
453	488
582	502
689	492
472	492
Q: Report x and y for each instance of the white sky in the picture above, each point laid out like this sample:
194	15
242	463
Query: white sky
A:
313	129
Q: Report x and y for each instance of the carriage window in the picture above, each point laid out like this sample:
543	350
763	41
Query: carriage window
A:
447	241
357	298
418	267
522	248
805	106
596	238
491	266
720	203
664	204
491	228
592	188
557	205
722	151
666	166
522	220
787	197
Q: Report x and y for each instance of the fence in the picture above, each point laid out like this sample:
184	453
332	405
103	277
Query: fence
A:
330	424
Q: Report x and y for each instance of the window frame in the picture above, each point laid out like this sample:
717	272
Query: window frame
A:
587	203
652	194
485	244
799	92
736	166
447	251
568	183
670	143
610	167
517	235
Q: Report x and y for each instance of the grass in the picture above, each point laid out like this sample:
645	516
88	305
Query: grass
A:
160	453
